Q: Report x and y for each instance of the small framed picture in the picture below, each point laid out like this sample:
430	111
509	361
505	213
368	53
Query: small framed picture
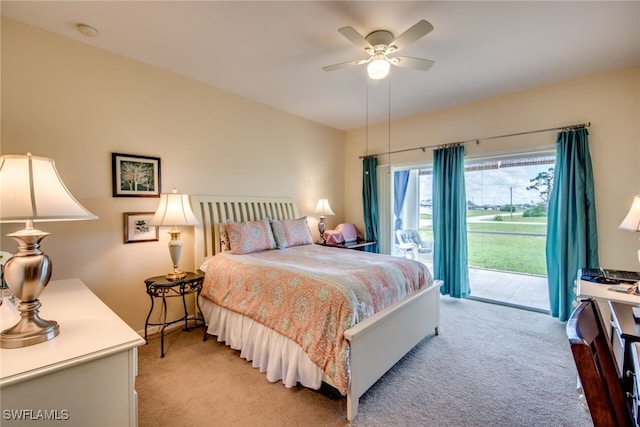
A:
137	228
135	176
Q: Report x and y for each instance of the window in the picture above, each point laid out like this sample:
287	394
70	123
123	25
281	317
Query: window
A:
506	209
413	212
506	229
506	224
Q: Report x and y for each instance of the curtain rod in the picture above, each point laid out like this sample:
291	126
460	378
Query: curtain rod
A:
477	140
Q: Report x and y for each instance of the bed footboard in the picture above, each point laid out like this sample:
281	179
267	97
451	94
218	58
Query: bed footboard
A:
376	345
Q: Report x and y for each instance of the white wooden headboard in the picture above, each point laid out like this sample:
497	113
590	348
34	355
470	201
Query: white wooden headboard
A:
213	210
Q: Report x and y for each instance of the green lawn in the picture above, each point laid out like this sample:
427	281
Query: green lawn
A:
519	254
521	249
471	213
508	227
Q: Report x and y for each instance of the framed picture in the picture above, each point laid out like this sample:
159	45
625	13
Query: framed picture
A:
137	228
135	176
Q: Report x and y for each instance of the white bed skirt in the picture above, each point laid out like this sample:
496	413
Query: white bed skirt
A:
274	354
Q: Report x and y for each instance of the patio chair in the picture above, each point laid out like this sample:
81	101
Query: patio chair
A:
411	243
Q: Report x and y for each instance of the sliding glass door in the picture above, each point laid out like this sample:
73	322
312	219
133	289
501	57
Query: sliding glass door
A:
506	224
413	230
506	229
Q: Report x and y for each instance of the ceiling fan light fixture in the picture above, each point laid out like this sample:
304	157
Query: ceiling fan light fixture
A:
378	68
378	44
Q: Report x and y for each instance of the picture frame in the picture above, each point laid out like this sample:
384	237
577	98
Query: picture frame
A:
135	176
137	228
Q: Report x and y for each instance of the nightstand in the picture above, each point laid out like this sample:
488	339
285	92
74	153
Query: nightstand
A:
359	244
161	287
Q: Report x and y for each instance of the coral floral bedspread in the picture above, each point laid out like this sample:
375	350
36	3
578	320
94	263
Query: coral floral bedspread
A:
312	294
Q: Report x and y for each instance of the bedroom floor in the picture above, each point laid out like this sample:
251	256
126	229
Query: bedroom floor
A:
471	375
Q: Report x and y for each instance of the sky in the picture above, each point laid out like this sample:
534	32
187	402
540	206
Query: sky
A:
493	187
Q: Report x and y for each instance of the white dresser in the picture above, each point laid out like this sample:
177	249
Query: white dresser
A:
83	377
601	293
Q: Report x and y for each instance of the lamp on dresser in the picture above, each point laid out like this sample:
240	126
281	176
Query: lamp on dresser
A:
323	209
32	191
174	210
632	221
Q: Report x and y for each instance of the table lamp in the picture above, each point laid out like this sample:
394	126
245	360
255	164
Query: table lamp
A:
323	209
31	191
174	210
632	221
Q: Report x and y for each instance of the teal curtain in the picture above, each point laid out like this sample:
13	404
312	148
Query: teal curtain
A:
572	235
370	201
450	262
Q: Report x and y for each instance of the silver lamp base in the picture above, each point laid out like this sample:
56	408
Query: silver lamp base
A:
30	330
27	274
322	226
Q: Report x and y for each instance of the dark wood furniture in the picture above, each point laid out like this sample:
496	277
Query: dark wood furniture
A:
627	330
635	408
359	244
596	365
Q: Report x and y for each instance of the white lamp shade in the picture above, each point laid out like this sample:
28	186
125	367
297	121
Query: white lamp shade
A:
323	208
174	209
31	189
378	68
632	221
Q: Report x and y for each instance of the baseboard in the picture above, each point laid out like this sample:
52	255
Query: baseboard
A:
152	330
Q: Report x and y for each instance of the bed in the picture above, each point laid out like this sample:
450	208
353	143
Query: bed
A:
373	342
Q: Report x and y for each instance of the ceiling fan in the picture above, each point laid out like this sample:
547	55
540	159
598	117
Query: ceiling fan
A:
381	43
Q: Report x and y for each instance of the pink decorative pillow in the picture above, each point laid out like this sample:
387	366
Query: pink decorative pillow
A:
291	232
251	236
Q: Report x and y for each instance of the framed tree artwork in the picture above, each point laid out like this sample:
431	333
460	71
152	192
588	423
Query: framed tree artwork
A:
135	176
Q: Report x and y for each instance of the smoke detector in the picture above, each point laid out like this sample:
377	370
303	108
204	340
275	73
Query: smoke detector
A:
87	30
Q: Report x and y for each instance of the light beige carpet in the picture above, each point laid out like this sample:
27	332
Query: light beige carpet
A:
490	365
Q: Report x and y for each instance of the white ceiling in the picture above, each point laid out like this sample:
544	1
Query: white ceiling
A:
272	52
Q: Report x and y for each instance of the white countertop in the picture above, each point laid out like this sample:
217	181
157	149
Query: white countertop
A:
601	291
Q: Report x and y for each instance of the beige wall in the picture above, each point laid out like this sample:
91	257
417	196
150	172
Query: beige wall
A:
77	105
611	102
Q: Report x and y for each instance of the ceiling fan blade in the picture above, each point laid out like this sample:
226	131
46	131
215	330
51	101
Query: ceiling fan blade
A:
345	64
355	37
420	29
409	62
